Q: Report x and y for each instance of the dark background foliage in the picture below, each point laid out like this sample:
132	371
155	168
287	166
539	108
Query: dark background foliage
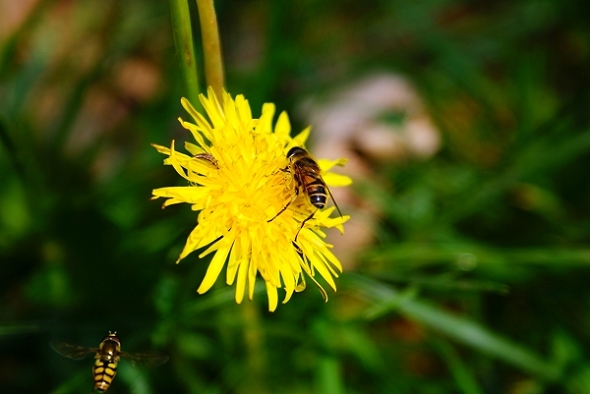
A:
477	278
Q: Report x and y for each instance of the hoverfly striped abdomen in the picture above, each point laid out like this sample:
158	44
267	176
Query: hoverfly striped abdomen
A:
107	358
104	373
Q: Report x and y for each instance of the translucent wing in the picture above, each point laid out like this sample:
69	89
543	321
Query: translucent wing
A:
74	352
146	359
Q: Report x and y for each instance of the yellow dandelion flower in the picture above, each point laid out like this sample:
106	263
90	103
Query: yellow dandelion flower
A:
238	179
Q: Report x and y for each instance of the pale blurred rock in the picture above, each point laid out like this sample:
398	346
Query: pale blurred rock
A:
354	125
138	79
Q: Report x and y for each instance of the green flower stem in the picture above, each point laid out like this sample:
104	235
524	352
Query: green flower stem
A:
183	39
211	46
256	355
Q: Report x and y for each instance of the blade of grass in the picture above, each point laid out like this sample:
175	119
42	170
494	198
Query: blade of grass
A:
75	383
17	329
453	252
328	372
540	157
464	378
135	378
329	375
461	329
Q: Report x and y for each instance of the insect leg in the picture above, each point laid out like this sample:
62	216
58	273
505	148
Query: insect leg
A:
334	201
301	287
303	224
286	206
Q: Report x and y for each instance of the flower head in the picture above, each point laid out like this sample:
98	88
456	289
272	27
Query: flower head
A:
238	179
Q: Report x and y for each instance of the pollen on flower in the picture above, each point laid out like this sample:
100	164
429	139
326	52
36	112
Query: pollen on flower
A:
238	178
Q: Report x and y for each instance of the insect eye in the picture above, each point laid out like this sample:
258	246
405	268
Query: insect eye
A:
293	151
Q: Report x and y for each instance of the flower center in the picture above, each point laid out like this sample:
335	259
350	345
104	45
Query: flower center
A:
252	187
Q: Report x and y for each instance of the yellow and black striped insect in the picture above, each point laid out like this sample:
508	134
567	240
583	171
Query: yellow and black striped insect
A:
307	173
107	355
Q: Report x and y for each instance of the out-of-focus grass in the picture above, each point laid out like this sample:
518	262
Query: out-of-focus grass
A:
479	283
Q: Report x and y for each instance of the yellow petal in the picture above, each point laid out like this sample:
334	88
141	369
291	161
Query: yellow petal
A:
336	180
161	149
192	148
243	109
235	260
213	109
252	269
202	125
265	122
214	269
273	298
283	126
194	131
302	137
241	282
326	165
179	194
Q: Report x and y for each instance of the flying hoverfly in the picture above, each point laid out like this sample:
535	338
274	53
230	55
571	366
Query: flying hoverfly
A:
307	173
107	355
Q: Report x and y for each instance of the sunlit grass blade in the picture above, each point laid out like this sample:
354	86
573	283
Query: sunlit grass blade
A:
458	328
469	256
464	378
79	381
135	378
329	375
15	329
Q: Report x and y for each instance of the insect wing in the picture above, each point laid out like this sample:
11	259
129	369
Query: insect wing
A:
74	352
145	359
308	180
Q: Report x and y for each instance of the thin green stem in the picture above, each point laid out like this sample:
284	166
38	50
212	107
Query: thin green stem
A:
183	39
256	354
211	46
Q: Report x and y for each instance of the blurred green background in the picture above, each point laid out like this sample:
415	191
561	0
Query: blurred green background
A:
474	278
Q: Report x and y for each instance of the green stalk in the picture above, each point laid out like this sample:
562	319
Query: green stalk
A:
183	39
255	381
211	46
